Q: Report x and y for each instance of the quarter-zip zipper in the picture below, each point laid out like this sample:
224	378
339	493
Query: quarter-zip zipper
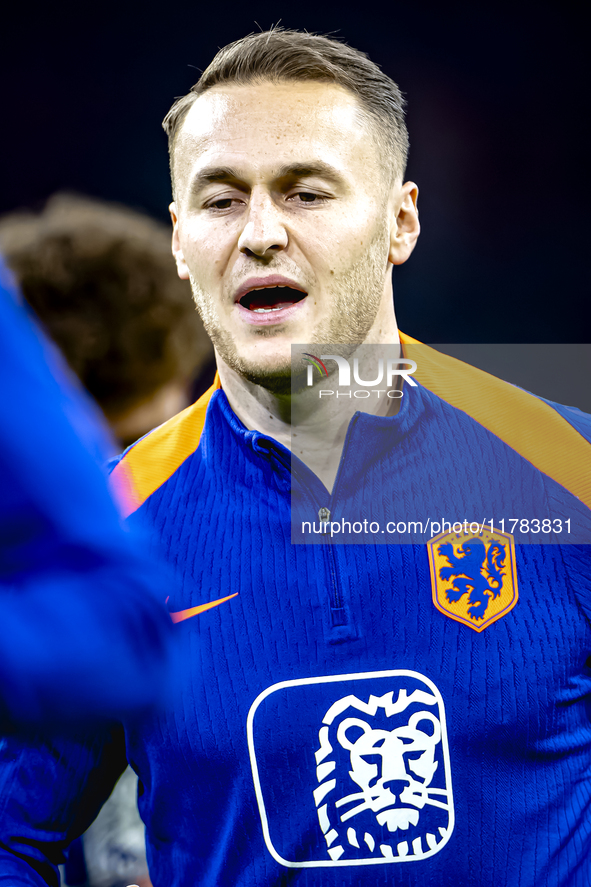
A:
336	604
338	615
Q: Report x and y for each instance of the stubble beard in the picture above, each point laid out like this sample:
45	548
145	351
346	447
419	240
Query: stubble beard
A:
356	296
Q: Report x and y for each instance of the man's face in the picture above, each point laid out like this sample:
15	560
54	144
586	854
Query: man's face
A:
283	222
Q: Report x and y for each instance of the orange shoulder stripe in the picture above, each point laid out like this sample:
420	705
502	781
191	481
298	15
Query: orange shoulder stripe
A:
528	425
154	459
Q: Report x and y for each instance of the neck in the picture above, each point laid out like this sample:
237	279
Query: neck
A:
310	424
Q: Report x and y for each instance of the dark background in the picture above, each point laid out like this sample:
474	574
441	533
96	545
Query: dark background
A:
498	110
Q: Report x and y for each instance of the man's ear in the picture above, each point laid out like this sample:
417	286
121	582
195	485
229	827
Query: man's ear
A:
181	265
404	226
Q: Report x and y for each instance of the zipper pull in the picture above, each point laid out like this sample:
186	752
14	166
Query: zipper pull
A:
324	517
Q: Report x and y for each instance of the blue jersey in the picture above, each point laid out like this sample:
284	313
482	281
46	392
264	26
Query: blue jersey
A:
83	630
408	714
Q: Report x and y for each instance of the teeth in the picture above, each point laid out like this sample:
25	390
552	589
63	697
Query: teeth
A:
266	310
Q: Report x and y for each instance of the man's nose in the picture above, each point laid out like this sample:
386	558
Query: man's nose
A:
264	231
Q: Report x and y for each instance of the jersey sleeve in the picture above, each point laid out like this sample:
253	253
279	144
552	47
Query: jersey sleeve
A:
577	557
84	630
50	792
574	416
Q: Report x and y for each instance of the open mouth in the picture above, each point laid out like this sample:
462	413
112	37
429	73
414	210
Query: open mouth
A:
271	298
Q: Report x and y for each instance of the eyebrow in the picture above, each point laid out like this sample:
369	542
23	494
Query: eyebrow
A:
214	174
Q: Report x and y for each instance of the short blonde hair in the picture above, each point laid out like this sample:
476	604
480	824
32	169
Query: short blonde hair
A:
285	55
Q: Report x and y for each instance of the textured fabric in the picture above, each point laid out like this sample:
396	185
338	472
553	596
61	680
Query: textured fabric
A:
331	725
83	630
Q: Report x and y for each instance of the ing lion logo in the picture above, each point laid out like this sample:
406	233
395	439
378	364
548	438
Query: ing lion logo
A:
383	790
474	577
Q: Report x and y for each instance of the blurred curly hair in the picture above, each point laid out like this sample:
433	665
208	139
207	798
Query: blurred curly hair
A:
102	279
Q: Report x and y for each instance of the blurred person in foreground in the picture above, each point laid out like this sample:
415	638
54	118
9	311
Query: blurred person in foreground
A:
101	278
353	711
84	635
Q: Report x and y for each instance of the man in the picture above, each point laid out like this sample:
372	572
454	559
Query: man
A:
101	279
83	632
350	713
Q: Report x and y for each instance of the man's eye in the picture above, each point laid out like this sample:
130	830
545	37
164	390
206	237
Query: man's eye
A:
307	197
222	203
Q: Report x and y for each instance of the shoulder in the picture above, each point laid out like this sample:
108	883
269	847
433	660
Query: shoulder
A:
552	437
575	417
152	460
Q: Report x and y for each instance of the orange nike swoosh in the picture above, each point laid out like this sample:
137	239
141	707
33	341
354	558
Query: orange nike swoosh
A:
180	615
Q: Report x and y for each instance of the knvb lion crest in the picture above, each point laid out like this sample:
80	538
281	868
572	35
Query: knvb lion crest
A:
473	576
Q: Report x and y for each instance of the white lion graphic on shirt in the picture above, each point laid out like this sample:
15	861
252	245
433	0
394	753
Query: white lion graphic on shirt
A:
390	755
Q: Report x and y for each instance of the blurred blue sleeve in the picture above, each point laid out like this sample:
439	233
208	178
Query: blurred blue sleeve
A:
84	631
50	791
